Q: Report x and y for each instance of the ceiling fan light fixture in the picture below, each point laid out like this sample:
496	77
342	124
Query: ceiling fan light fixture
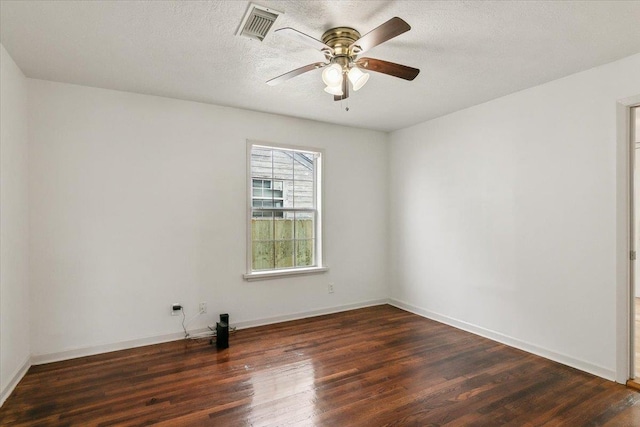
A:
332	75
341	47
357	78
334	90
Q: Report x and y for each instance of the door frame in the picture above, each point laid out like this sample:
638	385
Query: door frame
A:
633	270
625	150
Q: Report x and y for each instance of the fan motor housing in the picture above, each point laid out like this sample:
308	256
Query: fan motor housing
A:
340	38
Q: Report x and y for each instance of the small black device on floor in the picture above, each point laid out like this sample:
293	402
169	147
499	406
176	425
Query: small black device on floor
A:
222	331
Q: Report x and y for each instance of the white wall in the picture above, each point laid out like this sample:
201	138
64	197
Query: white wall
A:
504	218
14	230
137	202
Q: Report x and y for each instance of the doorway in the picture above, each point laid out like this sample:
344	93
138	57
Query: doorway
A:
635	294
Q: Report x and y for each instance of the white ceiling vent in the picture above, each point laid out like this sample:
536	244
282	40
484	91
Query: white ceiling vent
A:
257	22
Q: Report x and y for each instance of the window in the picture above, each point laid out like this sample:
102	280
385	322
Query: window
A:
284	230
266	194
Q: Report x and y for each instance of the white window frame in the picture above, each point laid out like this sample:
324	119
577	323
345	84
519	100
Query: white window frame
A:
319	255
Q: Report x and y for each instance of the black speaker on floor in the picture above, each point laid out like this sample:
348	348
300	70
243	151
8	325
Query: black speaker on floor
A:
222	332
224	318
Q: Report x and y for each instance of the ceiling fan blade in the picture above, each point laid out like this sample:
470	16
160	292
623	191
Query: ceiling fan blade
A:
303	38
390	68
390	29
296	72
345	91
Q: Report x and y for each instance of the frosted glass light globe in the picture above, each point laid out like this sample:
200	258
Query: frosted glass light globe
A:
334	90
357	78
332	75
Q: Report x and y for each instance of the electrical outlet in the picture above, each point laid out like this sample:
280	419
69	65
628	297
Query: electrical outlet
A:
330	288
176	309
203	307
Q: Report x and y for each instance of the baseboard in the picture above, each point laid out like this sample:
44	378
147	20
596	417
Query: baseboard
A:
303	315
477	330
15	380
599	371
39	359
631	383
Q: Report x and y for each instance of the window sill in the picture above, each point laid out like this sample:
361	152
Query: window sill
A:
265	275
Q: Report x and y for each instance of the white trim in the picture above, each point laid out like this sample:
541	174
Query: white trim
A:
124	345
632	242
492	335
510	341
274	274
319	256
623	239
39	359
15	380
305	314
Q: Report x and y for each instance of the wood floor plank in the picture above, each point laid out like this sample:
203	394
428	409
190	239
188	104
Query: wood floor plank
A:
368	367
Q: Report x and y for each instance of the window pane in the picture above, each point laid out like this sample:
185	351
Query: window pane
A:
304	225
272	194
262	255
282	165
304	253
284	253
288	215
282	179
288	194
303	194
283	229
261	163
303	167
262	228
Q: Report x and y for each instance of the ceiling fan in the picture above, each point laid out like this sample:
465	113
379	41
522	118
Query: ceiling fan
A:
341	47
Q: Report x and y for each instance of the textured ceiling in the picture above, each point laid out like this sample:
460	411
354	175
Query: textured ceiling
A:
468	52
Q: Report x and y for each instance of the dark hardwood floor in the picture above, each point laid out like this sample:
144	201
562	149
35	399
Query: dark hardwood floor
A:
369	367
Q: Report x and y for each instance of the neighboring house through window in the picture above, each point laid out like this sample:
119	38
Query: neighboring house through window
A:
266	193
285	218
